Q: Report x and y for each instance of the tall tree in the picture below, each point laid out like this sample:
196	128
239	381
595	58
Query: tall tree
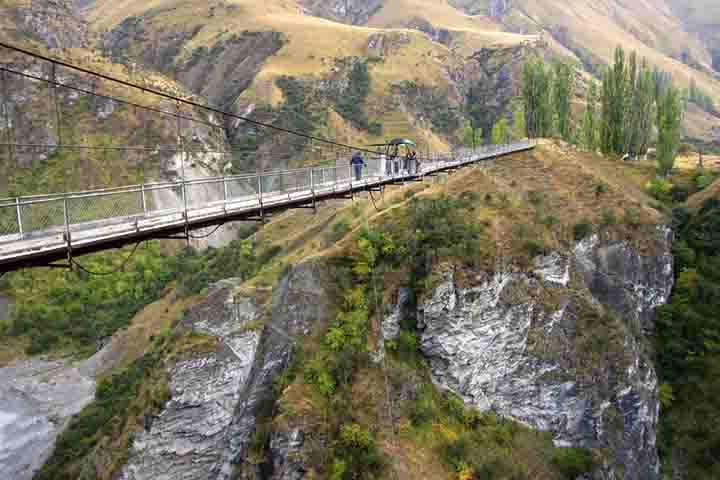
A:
630	112
670	118
643	112
519	127
536	90
470	136
562	94
605	113
618	85
589	132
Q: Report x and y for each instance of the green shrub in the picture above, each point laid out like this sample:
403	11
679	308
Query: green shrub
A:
679	193
341	228
536	248
375	128
407	343
355	454
703	178
632	217
661	189
573	462
536	198
548	220
582	229
608	218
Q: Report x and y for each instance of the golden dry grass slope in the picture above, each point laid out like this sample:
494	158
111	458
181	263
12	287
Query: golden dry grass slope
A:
311	44
422	40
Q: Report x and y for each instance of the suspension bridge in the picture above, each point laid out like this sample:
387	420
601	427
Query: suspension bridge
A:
42	229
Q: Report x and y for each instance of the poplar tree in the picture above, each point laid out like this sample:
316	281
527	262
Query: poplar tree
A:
630	111
536	90
589	132
519	128
562	94
500	132
618	89
669	121
643	112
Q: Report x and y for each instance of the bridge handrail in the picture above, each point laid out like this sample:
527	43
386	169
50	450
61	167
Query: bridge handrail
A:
31	215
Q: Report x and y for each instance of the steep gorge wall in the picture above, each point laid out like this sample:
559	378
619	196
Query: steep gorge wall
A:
205	430
560	347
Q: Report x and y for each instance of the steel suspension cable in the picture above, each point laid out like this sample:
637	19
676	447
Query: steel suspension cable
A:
175	98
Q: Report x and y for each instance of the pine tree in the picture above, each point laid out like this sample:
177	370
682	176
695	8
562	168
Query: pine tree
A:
562	94
670	118
589	133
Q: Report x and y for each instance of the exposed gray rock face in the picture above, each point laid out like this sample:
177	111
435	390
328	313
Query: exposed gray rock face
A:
354	12
492	8
53	23
205	430
37	398
491	78
189	435
391	323
558	349
630	283
439	35
219	74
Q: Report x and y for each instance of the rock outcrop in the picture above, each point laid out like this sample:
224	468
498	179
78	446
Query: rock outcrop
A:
561	348
205	430
37	398
354	12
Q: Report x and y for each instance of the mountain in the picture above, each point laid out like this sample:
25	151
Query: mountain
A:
546	315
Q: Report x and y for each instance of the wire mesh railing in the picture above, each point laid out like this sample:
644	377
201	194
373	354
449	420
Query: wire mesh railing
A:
35	217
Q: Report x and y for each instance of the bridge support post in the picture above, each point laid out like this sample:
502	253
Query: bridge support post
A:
68	237
260	197
312	189
19	218
143	202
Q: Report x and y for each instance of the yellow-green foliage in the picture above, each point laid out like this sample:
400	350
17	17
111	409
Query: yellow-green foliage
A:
477	445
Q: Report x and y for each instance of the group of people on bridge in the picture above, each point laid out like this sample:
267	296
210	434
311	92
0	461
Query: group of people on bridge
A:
392	165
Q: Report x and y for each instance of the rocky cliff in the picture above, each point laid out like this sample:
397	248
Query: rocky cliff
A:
206	429
560	347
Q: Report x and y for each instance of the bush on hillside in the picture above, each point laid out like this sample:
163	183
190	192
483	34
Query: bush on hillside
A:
582	229
661	189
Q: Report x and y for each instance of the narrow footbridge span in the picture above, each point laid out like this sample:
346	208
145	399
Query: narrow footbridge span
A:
38	230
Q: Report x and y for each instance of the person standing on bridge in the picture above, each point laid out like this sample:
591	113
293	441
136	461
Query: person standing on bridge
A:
416	163
413	166
357	163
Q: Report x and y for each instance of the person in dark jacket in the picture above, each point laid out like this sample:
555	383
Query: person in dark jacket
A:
357	163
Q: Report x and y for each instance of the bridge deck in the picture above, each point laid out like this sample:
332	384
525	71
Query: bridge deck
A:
39	230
